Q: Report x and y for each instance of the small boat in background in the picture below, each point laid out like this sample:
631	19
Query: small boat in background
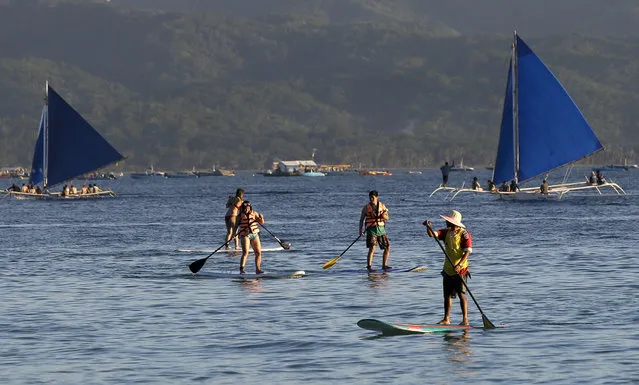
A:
461	167
67	148
375	172
149	173
415	172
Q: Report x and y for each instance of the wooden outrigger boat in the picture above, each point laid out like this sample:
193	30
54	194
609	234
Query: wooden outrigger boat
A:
67	147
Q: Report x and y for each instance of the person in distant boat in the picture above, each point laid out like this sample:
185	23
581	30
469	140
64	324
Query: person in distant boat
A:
476	185
24	188
14	187
96	189
233	205
249	233
593	178
514	187
65	190
544	189
504	187
84	189
458	245
74	190
31	189
600	178
491	186
38	190
445	170
373	222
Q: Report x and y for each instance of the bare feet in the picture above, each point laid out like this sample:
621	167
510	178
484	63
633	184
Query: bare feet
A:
242	271
259	271
369	268
464	323
386	268
445	321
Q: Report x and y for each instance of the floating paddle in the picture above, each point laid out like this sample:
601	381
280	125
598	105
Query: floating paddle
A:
485	320
333	261
197	265
285	245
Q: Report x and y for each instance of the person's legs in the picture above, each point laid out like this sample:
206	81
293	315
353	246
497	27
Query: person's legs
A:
464	308
245	251
257	249
448	302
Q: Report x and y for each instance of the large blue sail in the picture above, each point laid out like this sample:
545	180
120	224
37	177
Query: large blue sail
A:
552	130
74	146
505	162
36	176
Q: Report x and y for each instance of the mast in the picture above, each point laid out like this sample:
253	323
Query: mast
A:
515	72
45	136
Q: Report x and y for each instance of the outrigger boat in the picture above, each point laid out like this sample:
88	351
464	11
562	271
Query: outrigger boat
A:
542	129
67	147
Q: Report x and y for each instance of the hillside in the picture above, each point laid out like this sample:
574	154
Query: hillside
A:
182	90
533	18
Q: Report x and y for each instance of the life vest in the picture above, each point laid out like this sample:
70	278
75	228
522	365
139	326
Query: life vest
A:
454	251
248	223
373	217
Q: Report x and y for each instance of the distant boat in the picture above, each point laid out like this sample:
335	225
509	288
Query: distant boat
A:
414	172
541	130
67	147
181	175
149	173
215	172
461	167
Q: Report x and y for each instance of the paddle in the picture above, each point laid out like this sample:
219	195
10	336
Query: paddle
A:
333	261
485	320
197	265
285	245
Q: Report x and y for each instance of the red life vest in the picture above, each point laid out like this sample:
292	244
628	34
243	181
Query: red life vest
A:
373	216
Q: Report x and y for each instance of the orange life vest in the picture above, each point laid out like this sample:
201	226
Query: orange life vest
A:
248	223
373	216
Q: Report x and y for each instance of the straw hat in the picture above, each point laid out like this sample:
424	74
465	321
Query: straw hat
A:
454	217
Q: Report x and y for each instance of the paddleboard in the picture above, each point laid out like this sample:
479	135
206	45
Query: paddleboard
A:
227	250
390	328
415	269
253	276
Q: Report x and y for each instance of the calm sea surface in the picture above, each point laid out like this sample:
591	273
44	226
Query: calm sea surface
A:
94	292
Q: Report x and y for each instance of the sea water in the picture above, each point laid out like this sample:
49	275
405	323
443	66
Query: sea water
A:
94	292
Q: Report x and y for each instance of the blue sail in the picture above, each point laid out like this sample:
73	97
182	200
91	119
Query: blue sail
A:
36	176
552	130
74	146
505	162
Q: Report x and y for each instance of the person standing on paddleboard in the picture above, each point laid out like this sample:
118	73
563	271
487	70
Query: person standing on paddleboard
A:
374	216
459	245
233	205
249	233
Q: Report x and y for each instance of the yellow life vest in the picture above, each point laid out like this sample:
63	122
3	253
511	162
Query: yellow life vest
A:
248	223
454	251
373	217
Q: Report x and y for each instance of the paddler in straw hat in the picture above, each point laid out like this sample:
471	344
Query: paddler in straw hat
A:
459	245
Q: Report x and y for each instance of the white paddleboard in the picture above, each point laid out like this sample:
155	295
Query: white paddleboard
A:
239	251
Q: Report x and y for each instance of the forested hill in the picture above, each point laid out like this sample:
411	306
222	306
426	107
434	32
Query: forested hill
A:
537	18
179	90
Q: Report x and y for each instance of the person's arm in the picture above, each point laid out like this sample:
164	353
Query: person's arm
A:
361	221
384	214
260	218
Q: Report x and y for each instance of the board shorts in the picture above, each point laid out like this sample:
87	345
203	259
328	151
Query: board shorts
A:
251	236
377	235
453	285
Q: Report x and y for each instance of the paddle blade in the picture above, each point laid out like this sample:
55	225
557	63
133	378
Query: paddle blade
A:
487	323
286	245
197	265
331	263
